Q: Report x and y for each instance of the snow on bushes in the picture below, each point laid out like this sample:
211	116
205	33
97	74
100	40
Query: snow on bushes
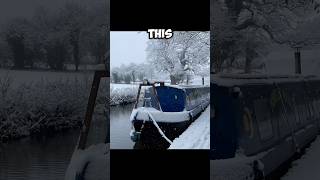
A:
44	106
123	93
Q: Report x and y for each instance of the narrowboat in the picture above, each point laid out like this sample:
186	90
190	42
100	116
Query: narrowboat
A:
162	112
267	119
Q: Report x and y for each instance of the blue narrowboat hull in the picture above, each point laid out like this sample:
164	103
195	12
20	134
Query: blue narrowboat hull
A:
179	107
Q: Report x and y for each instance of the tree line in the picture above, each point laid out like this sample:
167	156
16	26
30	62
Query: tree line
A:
74	34
133	72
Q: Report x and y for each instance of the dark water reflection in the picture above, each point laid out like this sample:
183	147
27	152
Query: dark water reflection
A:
45	158
37	158
120	127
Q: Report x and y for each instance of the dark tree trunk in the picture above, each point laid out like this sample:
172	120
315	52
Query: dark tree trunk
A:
75	37
297	58
56	55
16	44
76	55
173	80
247	65
217	63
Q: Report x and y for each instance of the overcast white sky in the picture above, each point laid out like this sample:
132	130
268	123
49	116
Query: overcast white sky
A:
127	47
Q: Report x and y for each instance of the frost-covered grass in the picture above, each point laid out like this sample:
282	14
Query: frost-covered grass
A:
123	93
44	103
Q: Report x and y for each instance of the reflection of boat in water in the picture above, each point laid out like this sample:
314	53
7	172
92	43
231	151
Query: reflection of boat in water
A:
163	112
90	163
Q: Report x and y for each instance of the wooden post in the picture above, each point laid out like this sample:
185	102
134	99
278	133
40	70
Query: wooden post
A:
90	108
137	98
297	57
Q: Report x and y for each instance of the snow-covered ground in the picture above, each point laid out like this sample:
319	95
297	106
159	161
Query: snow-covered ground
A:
238	168
197	136
308	166
92	163
281	60
197	80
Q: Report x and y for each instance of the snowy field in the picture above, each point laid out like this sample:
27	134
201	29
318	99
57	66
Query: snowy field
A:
197	136
123	93
281	60
197	80
308	166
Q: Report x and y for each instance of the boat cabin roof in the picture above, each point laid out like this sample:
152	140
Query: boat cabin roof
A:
187	86
242	79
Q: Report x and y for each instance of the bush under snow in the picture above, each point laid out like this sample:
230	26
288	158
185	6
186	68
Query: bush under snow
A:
44	106
123	93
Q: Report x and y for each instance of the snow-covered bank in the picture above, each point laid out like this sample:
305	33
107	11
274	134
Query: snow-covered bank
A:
238	168
307	167
123	93
90	164
46	104
197	136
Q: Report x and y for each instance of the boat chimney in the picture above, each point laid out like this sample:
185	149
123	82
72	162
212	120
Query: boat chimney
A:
297	58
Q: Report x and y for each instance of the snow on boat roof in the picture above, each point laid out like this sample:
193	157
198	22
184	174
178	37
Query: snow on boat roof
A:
242	79
187	86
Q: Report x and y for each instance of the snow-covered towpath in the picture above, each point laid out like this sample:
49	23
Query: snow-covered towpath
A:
197	136
307	167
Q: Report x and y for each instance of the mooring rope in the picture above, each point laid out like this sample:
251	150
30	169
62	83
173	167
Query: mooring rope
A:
159	129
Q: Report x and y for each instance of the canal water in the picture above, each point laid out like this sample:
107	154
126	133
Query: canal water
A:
37	158
120	127
40	158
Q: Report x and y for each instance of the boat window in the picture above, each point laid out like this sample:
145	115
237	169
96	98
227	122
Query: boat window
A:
290	109
262	113
311	110
296	112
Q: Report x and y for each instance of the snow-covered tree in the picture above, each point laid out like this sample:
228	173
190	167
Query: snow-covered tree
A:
180	54
74	19
16	34
55	38
225	38
306	34
4	52
258	24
